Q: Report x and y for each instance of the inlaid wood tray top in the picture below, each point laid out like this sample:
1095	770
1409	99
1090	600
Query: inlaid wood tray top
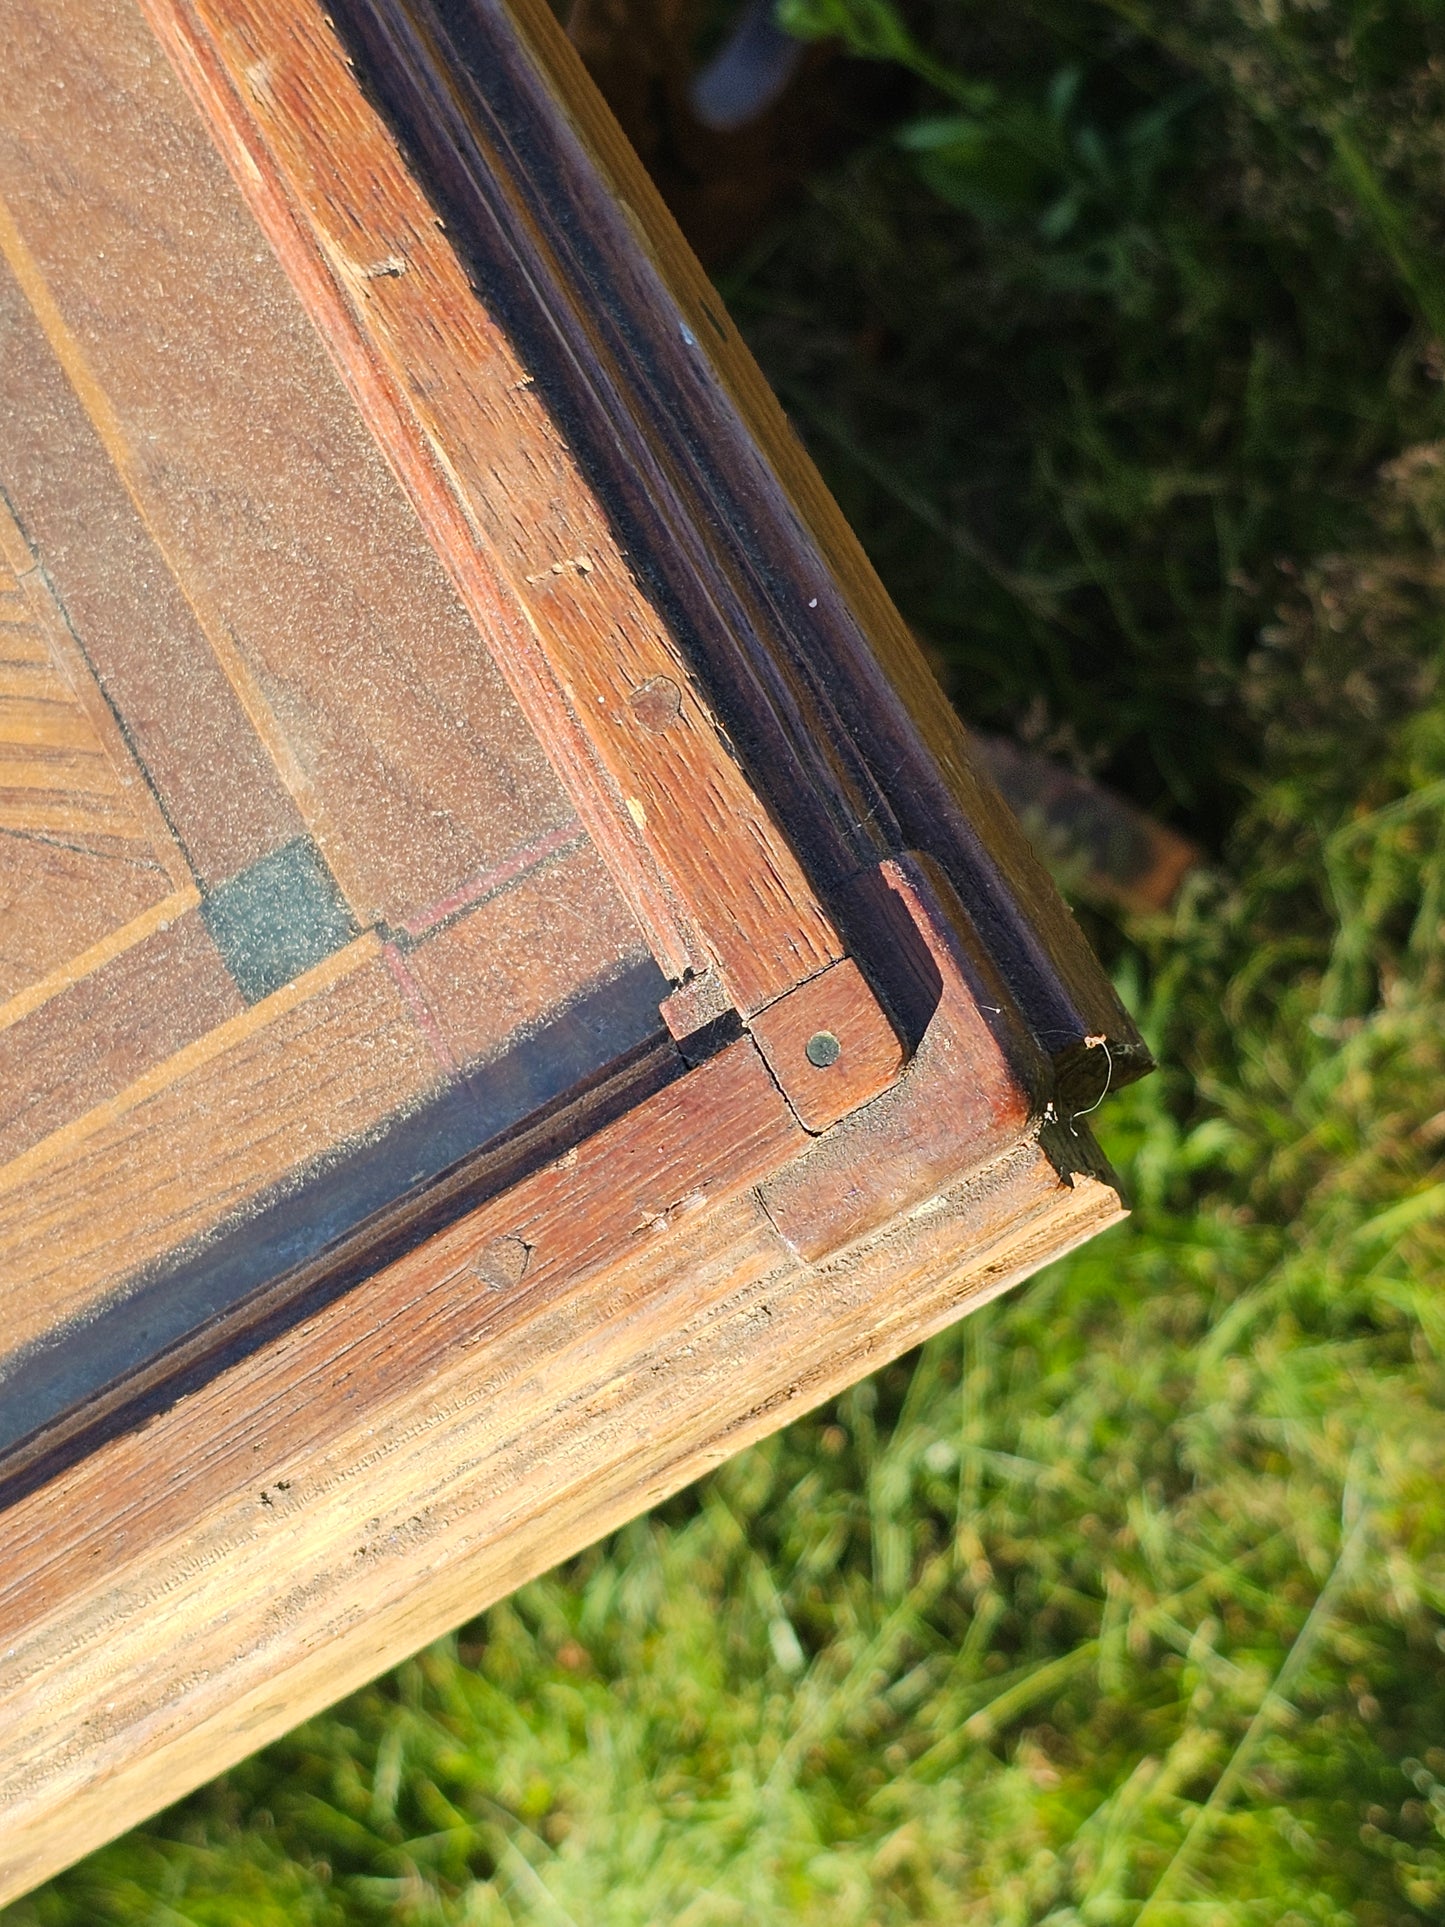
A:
509	984
295	910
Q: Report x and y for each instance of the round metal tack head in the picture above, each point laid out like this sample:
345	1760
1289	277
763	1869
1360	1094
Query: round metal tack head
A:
823	1049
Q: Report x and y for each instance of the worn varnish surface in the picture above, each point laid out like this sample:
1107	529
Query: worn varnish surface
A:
850	696
452	399
371	695
86	853
785	629
424	653
283	870
829	1045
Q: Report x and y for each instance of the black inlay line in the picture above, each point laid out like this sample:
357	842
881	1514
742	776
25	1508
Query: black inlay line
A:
122	726
550	253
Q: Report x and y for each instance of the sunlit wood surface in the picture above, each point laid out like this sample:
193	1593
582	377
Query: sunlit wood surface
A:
510	982
284	874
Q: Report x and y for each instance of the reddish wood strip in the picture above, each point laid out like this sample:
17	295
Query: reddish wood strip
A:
829	1045
616	1198
451	402
332	1486
975	1088
495	973
424	1481
864	694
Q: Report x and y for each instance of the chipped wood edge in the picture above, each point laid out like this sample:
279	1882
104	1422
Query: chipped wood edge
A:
555	1419
947	803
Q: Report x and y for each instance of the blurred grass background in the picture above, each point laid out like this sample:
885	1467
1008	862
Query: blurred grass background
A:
1120	335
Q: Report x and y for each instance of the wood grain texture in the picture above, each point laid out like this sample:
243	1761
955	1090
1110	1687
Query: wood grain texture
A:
569	1325
83	850
224	426
785	630
429	1476
601	1202
973	1088
846	703
494	974
141	635
452	400
97	1034
184	1145
65	976
857	1051
263	643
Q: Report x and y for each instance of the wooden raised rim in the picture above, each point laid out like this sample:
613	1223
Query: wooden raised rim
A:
324	170
356	134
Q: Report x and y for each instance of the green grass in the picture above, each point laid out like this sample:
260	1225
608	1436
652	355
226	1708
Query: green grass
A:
1124	1602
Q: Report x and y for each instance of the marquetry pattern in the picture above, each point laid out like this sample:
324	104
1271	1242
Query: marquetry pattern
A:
291	901
84	852
56	781
365	1245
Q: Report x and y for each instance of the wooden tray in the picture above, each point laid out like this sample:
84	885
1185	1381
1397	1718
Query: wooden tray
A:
510	986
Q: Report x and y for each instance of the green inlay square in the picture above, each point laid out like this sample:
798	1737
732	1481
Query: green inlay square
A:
278	917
